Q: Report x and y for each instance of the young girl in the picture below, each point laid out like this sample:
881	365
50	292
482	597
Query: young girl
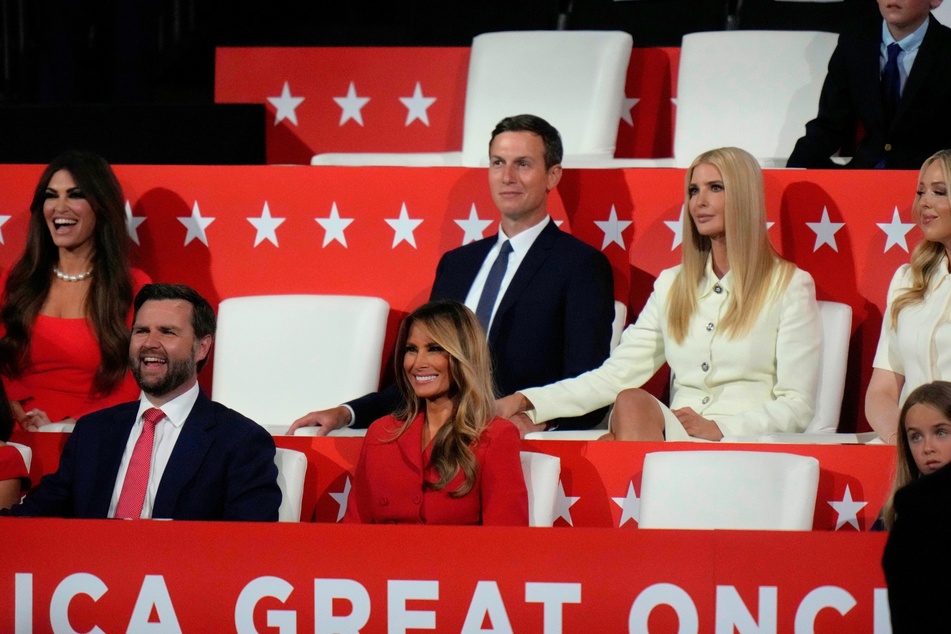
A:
924	438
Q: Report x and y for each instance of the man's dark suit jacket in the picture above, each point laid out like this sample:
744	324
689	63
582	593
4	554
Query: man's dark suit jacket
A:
852	98
553	323
222	468
917	559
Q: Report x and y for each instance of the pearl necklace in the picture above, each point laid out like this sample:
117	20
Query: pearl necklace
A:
72	278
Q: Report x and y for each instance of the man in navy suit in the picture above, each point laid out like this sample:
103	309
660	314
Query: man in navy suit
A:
550	317
174	453
855	96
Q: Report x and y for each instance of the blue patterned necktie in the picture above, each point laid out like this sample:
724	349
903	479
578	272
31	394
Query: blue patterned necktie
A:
492	284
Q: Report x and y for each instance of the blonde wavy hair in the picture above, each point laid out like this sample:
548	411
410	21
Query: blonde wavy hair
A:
458	331
936	395
758	271
927	256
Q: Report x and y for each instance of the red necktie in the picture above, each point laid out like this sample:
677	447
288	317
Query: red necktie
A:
137	475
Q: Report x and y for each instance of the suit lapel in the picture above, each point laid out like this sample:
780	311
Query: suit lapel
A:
115	436
537	255
189	452
463	282
869	56
924	61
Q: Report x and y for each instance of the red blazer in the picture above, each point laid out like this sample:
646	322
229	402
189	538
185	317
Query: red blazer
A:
388	483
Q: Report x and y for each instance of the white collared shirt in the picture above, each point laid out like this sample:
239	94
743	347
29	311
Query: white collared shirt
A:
167	432
521	243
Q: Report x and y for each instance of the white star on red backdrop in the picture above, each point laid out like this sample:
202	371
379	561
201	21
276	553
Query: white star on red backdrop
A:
629	102
825	231
286	105
612	228
417	105
896	230
334	226
131	223
847	510
630	505
196	225
266	226
677	226
341	498
563	504
473	227
351	105
403	227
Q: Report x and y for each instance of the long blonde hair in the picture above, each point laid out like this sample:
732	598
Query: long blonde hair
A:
927	256
936	395
458	331
751	256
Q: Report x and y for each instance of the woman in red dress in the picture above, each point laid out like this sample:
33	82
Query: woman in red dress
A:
67	301
443	457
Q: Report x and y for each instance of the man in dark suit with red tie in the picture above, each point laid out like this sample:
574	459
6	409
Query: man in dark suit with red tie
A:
174	453
889	82
545	297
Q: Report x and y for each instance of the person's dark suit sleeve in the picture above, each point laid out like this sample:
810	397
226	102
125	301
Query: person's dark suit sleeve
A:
252	492
835	121
588	321
54	495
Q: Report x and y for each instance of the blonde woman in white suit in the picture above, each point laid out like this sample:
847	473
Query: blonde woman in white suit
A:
738	325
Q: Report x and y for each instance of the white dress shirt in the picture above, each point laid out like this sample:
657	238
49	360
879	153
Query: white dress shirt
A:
167	432
521	243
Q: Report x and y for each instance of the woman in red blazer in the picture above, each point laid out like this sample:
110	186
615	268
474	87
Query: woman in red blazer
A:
443	458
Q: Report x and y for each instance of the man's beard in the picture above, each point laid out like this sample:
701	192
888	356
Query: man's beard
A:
177	372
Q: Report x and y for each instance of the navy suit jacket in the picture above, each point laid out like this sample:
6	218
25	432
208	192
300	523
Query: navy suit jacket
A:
222	468
553	323
852	98
917	561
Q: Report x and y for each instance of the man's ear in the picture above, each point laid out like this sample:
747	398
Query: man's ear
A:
204	347
554	176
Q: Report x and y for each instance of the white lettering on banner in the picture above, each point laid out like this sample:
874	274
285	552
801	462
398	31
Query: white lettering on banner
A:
820	598
254	591
882	623
76	583
153	593
400	619
487	600
23	603
732	612
325	591
554	596
663	594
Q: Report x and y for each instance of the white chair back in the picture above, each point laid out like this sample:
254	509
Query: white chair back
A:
737	490
568	434
572	79
836	331
542	473
278	357
943	13
291	469
25	452
750	89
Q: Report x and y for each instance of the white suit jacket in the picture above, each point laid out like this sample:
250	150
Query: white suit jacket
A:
762	382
